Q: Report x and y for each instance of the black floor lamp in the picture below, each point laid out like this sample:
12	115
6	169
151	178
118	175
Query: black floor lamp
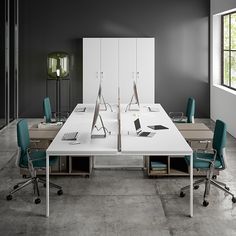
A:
58	68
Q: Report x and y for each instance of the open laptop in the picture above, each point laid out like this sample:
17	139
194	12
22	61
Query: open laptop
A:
139	130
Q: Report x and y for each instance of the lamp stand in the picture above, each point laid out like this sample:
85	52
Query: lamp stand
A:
58	99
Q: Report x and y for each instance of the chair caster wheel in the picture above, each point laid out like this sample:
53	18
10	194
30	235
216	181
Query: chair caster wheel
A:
37	201
60	192
16	186
227	188
182	194
9	197
196	187
233	199
205	203
214	177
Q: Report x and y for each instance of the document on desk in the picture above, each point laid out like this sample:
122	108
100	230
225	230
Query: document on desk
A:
80	109
70	136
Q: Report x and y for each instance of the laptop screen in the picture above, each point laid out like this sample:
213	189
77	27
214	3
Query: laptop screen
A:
137	124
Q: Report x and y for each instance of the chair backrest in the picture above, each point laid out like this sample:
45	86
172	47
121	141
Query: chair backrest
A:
47	109
219	140
23	141
190	112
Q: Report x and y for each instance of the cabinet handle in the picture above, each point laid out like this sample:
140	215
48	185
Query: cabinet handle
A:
101	75
133	75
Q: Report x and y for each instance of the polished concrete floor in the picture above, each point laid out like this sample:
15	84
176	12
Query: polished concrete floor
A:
114	202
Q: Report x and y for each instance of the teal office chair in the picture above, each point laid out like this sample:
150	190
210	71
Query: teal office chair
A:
31	160
179	117
51	117
211	161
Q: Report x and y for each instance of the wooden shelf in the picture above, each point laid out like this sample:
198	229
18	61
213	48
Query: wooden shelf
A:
176	166
177	172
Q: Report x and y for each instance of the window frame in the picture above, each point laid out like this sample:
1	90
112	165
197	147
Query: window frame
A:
223	50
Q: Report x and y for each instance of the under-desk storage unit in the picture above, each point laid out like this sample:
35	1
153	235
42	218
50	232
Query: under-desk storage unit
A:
41	137
169	166
165	165
73	165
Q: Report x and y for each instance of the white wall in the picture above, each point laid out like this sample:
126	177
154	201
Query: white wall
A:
223	100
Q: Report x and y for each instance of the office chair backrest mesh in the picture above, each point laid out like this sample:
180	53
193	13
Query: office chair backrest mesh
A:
47	109
219	140
23	141
190	112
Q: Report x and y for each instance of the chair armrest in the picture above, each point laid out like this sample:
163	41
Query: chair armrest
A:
30	164
176	114
210	151
65	113
206	160
206	142
213	151
62	115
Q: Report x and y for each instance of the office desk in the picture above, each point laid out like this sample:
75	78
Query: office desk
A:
122	140
191	126
197	135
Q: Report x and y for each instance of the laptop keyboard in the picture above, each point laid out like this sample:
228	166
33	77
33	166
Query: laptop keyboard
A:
144	134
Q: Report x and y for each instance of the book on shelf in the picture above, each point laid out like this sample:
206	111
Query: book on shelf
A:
157	169
158	165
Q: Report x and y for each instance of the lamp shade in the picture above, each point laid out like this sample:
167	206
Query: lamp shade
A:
58	65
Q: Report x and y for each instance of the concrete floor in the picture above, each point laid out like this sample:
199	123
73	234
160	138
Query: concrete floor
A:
114	202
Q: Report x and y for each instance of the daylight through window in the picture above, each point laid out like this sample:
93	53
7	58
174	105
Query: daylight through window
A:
229	50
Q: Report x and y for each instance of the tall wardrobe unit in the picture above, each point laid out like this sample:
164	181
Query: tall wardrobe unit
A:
117	62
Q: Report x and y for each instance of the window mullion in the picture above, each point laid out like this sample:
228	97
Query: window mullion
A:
230	84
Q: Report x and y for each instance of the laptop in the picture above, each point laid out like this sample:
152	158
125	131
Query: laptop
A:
139	130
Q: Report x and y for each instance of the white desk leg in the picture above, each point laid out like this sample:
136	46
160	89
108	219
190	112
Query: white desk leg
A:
47	185
191	186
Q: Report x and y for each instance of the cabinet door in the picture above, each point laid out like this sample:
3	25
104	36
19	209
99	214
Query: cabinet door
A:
146	70
91	69
109	69
127	68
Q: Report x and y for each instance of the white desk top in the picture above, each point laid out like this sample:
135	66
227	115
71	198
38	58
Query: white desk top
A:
82	122
164	142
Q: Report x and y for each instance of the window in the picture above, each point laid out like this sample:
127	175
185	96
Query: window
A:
229	50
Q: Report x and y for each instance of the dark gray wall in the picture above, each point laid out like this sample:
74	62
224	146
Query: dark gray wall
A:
180	28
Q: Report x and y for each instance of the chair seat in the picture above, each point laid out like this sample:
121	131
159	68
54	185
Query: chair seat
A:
198	164
37	163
